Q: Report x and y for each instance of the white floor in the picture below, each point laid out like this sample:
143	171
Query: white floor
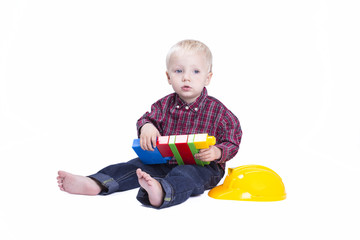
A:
289	71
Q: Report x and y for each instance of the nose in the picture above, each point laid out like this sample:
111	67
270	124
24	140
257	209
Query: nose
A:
186	77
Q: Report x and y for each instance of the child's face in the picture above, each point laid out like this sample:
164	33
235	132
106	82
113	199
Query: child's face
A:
188	73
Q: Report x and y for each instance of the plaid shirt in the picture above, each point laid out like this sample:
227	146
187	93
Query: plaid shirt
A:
172	116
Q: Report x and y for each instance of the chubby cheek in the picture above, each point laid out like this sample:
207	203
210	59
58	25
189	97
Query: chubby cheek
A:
175	80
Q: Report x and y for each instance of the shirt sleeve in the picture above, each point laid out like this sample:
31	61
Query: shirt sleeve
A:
229	136
154	117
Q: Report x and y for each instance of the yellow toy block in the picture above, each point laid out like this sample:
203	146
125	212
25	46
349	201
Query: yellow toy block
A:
203	141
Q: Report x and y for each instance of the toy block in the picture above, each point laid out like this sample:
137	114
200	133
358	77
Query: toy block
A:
148	157
203	141
182	147
194	150
162	143
174	150
184	150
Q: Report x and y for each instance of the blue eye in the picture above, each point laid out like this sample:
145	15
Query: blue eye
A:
178	71
196	71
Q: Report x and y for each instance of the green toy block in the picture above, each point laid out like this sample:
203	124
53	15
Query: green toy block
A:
174	150
193	149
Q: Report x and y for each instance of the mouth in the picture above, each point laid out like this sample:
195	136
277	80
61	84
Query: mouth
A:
186	88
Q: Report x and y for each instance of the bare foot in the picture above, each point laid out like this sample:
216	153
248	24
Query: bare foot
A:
76	184
152	187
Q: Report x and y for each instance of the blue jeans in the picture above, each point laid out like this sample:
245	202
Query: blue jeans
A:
179	182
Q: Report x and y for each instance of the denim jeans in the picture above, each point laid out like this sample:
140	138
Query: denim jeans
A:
179	182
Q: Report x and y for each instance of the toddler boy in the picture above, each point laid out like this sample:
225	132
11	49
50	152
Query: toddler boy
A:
189	110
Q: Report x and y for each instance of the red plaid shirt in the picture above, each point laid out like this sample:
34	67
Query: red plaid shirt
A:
172	116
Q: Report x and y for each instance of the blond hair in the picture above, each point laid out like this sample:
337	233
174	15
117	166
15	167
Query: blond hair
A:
190	45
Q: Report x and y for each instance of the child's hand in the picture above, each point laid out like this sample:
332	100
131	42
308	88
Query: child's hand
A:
210	154
148	136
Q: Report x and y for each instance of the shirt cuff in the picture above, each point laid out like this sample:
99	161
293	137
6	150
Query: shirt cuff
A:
224	153
140	124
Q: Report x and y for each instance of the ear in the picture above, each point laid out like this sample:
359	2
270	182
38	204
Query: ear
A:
168	77
208	78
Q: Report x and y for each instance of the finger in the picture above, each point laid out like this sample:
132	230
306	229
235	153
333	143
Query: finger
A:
206	156
198	155
154	142
202	155
204	150
142	143
149	145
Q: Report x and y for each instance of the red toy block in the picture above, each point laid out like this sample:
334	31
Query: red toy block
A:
184	150
162	143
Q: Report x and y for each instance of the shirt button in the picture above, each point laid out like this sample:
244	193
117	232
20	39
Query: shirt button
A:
177	106
187	107
196	109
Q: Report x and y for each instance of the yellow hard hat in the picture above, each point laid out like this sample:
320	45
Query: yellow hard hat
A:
250	183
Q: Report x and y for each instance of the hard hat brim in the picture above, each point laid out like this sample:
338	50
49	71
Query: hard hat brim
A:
223	193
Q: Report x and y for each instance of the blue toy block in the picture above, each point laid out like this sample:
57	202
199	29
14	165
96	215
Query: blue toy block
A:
149	157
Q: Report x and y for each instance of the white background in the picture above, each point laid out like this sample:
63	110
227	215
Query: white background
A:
76	75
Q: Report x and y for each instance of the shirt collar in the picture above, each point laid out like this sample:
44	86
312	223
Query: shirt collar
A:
194	106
